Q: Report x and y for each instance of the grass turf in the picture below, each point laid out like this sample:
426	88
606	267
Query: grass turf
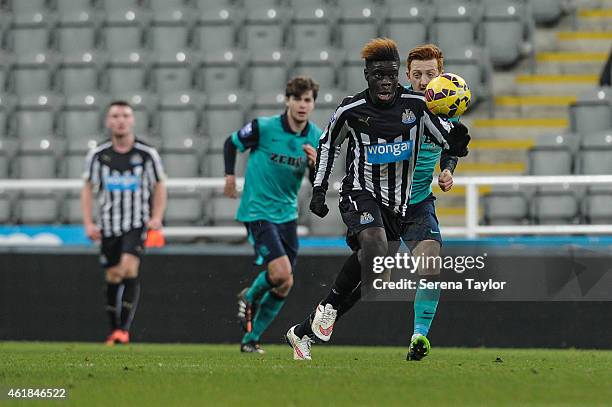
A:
163	375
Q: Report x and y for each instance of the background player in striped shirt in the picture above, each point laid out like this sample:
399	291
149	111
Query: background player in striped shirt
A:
282	148
384	124
127	177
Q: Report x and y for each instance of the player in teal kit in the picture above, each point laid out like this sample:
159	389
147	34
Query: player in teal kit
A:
281	148
422	233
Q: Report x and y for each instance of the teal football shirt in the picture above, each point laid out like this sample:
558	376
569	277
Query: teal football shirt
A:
429	156
275	169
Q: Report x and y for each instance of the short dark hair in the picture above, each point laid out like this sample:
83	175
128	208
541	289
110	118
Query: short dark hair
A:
299	85
118	103
380	49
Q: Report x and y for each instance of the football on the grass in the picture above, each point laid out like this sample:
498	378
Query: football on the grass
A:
448	95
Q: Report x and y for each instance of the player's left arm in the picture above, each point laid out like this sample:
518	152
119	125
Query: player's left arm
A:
160	197
311	156
448	163
155	171
453	137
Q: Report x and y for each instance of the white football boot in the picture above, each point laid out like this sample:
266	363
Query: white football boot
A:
323	322
301	347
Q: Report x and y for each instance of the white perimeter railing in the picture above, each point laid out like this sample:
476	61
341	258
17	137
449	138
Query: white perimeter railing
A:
471	230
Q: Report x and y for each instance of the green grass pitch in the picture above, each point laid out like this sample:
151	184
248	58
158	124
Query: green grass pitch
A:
218	375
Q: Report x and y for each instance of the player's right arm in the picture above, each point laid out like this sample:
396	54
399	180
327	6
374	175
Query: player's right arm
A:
327	152
241	140
92	180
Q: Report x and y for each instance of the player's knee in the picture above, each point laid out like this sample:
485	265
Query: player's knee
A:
373	242
279	271
114	275
429	250
284	288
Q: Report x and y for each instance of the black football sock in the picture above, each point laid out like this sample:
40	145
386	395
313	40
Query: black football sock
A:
129	302
111	304
349	302
305	328
346	281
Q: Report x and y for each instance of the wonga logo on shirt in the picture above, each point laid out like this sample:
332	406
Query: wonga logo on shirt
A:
389	152
121	183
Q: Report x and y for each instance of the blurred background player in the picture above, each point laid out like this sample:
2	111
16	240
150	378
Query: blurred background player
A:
282	147
375	190
127	176
422	234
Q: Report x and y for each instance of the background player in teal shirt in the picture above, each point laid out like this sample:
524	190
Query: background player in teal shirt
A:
281	148
422	233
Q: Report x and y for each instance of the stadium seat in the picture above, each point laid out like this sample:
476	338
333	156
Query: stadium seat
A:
554	207
164	6
268	72
122	31
504	207
125	72
184	209
181	157
224	114
356	26
261	4
80	117
346	4
178	117
311	27
65	7
21	7
111	6
5	158
169	30
29	33
5	208
73	163
4	117
552	155
473	65
353	79
4	67
71	208
592	112
407	23
36	159
319	64
204	5
547	11
307	3
596	207
263	29
31	74
214	29
172	72
76	32
269	104
220	71
595	156
504	26
223	210
78	73
34	117
38	208
454	25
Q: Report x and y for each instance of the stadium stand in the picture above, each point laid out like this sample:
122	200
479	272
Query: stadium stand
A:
535	65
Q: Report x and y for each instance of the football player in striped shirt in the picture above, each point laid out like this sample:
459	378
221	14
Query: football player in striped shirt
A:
127	177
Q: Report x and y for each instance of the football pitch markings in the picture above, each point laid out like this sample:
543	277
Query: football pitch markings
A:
185	375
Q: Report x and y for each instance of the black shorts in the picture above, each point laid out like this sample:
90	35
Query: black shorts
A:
360	211
422	222
273	240
113	247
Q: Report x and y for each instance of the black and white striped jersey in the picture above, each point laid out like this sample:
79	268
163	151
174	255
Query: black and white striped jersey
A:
383	145
124	185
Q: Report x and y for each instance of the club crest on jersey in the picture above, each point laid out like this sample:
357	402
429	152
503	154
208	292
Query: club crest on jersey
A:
136	159
386	153
366	218
408	117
